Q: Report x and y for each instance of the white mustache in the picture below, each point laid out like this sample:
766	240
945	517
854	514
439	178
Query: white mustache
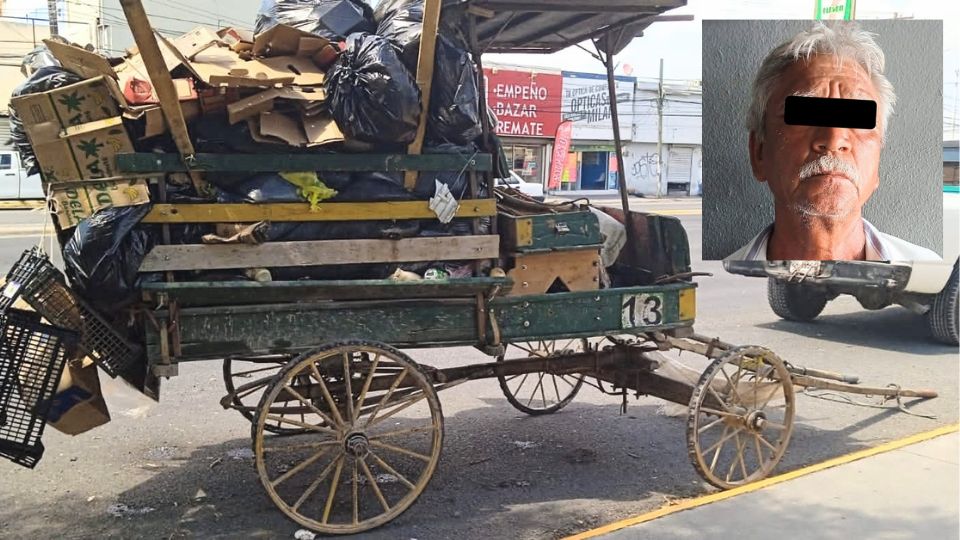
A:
829	163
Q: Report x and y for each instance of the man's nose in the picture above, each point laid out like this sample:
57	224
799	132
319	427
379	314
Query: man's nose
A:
831	139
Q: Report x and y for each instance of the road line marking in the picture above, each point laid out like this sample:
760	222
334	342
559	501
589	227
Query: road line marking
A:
15	236
767	482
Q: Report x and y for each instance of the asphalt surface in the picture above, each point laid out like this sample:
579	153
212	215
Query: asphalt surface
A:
184	469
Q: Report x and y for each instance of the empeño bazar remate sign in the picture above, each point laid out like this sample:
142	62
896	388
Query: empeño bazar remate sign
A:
527	104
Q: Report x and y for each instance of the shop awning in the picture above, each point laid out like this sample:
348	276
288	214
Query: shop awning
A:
546	26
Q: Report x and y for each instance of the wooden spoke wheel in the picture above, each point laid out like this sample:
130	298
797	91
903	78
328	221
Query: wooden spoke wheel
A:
541	392
740	417
245	380
373	434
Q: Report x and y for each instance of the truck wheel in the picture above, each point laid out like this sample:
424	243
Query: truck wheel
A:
942	317
793	302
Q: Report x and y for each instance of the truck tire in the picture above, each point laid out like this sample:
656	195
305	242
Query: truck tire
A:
794	302
942	317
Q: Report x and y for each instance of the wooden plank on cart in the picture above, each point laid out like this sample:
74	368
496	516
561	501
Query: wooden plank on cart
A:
222	293
280	212
148	163
319	252
425	63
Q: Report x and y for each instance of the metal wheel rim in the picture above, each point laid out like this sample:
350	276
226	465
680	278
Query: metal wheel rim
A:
745	410
253	395
547	385
340	462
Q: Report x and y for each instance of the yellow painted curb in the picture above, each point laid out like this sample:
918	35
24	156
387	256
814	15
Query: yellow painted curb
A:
722	495
21	205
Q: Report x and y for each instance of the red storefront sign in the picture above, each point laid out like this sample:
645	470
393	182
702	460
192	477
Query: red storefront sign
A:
527	104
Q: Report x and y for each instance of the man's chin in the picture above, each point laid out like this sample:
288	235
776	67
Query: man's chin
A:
821	211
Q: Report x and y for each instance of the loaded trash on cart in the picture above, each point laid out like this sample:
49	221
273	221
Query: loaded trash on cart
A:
317	78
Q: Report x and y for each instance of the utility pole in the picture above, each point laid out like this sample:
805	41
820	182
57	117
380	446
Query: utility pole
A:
660	131
52	17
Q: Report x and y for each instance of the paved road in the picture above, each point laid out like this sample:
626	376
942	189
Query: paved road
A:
502	475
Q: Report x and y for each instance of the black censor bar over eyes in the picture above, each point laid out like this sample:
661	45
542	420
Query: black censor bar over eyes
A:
830	112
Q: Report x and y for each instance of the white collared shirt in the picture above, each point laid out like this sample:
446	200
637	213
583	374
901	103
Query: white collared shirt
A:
880	247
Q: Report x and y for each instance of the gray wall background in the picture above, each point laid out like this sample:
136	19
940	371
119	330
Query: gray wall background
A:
908	202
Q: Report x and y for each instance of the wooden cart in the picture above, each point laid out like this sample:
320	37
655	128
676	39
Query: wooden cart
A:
347	429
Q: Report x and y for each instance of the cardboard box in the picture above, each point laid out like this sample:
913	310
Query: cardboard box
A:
72	203
78	405
307	132
84	152
265	101
76	131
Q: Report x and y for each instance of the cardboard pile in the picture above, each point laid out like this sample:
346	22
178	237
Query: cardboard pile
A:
273	82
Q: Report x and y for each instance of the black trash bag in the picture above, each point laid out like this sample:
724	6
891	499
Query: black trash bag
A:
454	99
260	188
39	57
44	79
457	181
373	186
103	255
331	19
401	21
372	96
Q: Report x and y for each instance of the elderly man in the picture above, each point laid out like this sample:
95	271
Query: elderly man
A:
821	175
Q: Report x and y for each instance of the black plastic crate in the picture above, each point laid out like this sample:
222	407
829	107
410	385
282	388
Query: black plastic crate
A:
32	358
44	288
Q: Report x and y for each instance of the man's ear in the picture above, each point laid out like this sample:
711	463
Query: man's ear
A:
756	157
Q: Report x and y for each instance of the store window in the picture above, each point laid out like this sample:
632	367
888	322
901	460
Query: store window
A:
526	161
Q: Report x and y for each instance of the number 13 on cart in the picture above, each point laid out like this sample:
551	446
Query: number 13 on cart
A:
642	310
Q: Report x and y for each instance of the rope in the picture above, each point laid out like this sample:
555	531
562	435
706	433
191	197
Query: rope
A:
843	398
49	206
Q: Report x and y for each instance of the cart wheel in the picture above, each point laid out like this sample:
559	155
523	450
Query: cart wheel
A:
252	376
372	440
541	392
741	417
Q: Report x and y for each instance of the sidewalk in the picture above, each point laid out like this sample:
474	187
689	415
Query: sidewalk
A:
905	493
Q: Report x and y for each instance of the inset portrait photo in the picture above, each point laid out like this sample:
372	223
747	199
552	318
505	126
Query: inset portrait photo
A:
822	140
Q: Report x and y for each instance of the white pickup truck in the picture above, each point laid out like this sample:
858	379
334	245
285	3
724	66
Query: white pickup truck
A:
14	181
799	290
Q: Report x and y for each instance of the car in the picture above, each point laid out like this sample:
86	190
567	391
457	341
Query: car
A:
14	181
515	181
799	290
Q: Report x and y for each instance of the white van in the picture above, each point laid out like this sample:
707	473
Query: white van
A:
14	181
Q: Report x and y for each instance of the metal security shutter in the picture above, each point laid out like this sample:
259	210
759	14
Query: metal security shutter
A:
5	133
678	168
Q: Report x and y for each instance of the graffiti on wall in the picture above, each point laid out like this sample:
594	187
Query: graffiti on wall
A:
646	166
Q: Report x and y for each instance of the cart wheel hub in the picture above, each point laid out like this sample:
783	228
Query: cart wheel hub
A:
756	420
357	445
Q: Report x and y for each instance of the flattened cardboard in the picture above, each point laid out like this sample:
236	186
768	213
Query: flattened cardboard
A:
265	101
306	72
321	130
80	61
307	132
283	40
73	203
282	127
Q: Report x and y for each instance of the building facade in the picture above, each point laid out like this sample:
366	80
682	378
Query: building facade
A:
529	113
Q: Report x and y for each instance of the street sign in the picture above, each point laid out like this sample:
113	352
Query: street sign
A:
835	10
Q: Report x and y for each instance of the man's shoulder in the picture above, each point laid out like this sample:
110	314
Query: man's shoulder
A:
754	250
898	249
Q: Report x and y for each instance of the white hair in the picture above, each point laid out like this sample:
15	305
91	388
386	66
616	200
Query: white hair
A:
841	39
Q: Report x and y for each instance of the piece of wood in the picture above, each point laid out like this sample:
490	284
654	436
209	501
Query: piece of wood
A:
140	163
425	62
319	252
162	84
219	293
281	212
534	273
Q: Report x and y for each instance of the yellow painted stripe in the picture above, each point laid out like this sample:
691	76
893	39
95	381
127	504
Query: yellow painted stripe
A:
723	495
21	205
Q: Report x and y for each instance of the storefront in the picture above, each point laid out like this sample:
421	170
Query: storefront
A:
527	106
592	162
